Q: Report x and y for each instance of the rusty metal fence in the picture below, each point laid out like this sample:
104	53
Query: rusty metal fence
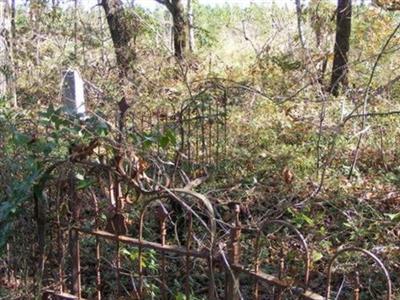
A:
136	237
230	261
197	126
167	243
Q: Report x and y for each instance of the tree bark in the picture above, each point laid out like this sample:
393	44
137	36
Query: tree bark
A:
299	13
3	46
342	46
121	34
7	35
168	33
180	28
192	44
13	81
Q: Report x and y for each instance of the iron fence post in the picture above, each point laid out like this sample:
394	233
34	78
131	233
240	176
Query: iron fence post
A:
232	281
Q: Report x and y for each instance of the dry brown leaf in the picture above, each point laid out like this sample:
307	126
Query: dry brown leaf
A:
287	175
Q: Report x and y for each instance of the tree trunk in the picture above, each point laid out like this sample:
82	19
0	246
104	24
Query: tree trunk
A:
191	26
13	81
180	28
342	46
121	34
168	33
7	34
299	13
3	47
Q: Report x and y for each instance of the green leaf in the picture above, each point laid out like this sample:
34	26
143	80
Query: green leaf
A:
180	296
394	217
133	255
6	209
306	219
21	139
82	184
102	128
163	141
316	256
82	181
170	134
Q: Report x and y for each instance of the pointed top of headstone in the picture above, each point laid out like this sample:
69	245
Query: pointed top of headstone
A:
73	94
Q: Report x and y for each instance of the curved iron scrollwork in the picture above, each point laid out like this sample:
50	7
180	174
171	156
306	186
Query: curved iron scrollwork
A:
367	253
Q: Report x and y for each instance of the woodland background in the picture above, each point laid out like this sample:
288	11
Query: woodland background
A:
296	142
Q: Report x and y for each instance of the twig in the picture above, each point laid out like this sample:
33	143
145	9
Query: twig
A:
377	114
366	97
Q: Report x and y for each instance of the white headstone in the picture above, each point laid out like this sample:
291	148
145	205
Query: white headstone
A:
73	94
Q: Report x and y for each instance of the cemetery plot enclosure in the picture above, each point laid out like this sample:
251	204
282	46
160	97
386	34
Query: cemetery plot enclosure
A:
261	162
197	128
109	224
125	227
170	243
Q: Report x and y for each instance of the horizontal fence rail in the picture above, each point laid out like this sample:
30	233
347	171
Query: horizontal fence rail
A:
173	238
231	260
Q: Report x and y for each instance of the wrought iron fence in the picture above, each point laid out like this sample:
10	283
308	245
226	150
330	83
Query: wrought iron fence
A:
198	128
234	264
168	241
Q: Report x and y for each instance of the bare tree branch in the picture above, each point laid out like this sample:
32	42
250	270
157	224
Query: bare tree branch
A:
377	114
366	98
